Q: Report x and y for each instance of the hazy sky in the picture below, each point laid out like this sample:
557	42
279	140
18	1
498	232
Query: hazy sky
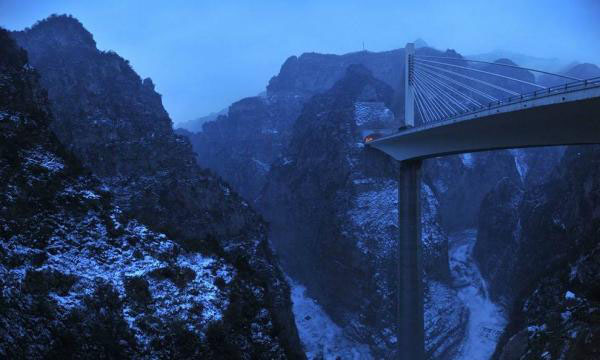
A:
203	55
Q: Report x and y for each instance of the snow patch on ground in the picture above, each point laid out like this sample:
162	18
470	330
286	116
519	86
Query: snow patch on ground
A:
486	319
375	214
367	111
520	162
42	158
88	254
467	160
321	337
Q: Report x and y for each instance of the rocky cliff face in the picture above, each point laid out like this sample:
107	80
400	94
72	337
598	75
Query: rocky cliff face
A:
460	182
324	195
92	272
308	162
333	206
537	243
476	191
313	73
115	124
242	145
319	178
79	277
555	273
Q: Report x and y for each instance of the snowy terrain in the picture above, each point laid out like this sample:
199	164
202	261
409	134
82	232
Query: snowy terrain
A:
321	337
369	111
486	319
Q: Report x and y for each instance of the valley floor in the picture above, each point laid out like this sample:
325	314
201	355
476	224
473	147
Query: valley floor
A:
486	319
321	337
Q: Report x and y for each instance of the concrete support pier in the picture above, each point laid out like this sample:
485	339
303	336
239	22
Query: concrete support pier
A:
411	337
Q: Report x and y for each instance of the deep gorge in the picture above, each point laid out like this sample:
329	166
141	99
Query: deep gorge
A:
124	238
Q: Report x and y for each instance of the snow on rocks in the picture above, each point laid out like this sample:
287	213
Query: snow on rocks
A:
91	248
467	160
321	337
520	162
42	158
445	318
369	111
375	215
486	319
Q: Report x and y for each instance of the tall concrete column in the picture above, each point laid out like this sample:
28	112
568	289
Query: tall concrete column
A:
409	93
411	337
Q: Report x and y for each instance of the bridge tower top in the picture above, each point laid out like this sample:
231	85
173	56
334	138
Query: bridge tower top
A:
409	93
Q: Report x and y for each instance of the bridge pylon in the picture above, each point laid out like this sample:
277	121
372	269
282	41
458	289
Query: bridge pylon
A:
411	334
409	92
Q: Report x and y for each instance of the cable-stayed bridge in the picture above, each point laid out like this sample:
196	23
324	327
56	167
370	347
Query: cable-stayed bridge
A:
454	105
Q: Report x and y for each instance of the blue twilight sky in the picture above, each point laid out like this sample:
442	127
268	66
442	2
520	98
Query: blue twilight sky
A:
203	55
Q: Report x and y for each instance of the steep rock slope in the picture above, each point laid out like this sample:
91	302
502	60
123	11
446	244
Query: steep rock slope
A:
460	182
244	148
506	215
556	312
242	145
115	123
81	279
333	207
313	73
537	244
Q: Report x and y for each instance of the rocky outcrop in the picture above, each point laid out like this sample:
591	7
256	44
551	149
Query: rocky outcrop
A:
534	237
501	218
195	125
306	169
114	122
498	238
313	73
79	278
461	182
333	207
555	311
242	145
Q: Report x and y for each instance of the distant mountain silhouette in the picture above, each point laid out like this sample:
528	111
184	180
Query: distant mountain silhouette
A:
540	63
195	125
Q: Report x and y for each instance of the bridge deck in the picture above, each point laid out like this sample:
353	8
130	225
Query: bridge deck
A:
569	117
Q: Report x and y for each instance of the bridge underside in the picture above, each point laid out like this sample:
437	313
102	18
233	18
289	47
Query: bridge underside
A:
561	119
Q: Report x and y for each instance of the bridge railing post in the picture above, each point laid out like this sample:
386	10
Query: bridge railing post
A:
409	92
411	334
